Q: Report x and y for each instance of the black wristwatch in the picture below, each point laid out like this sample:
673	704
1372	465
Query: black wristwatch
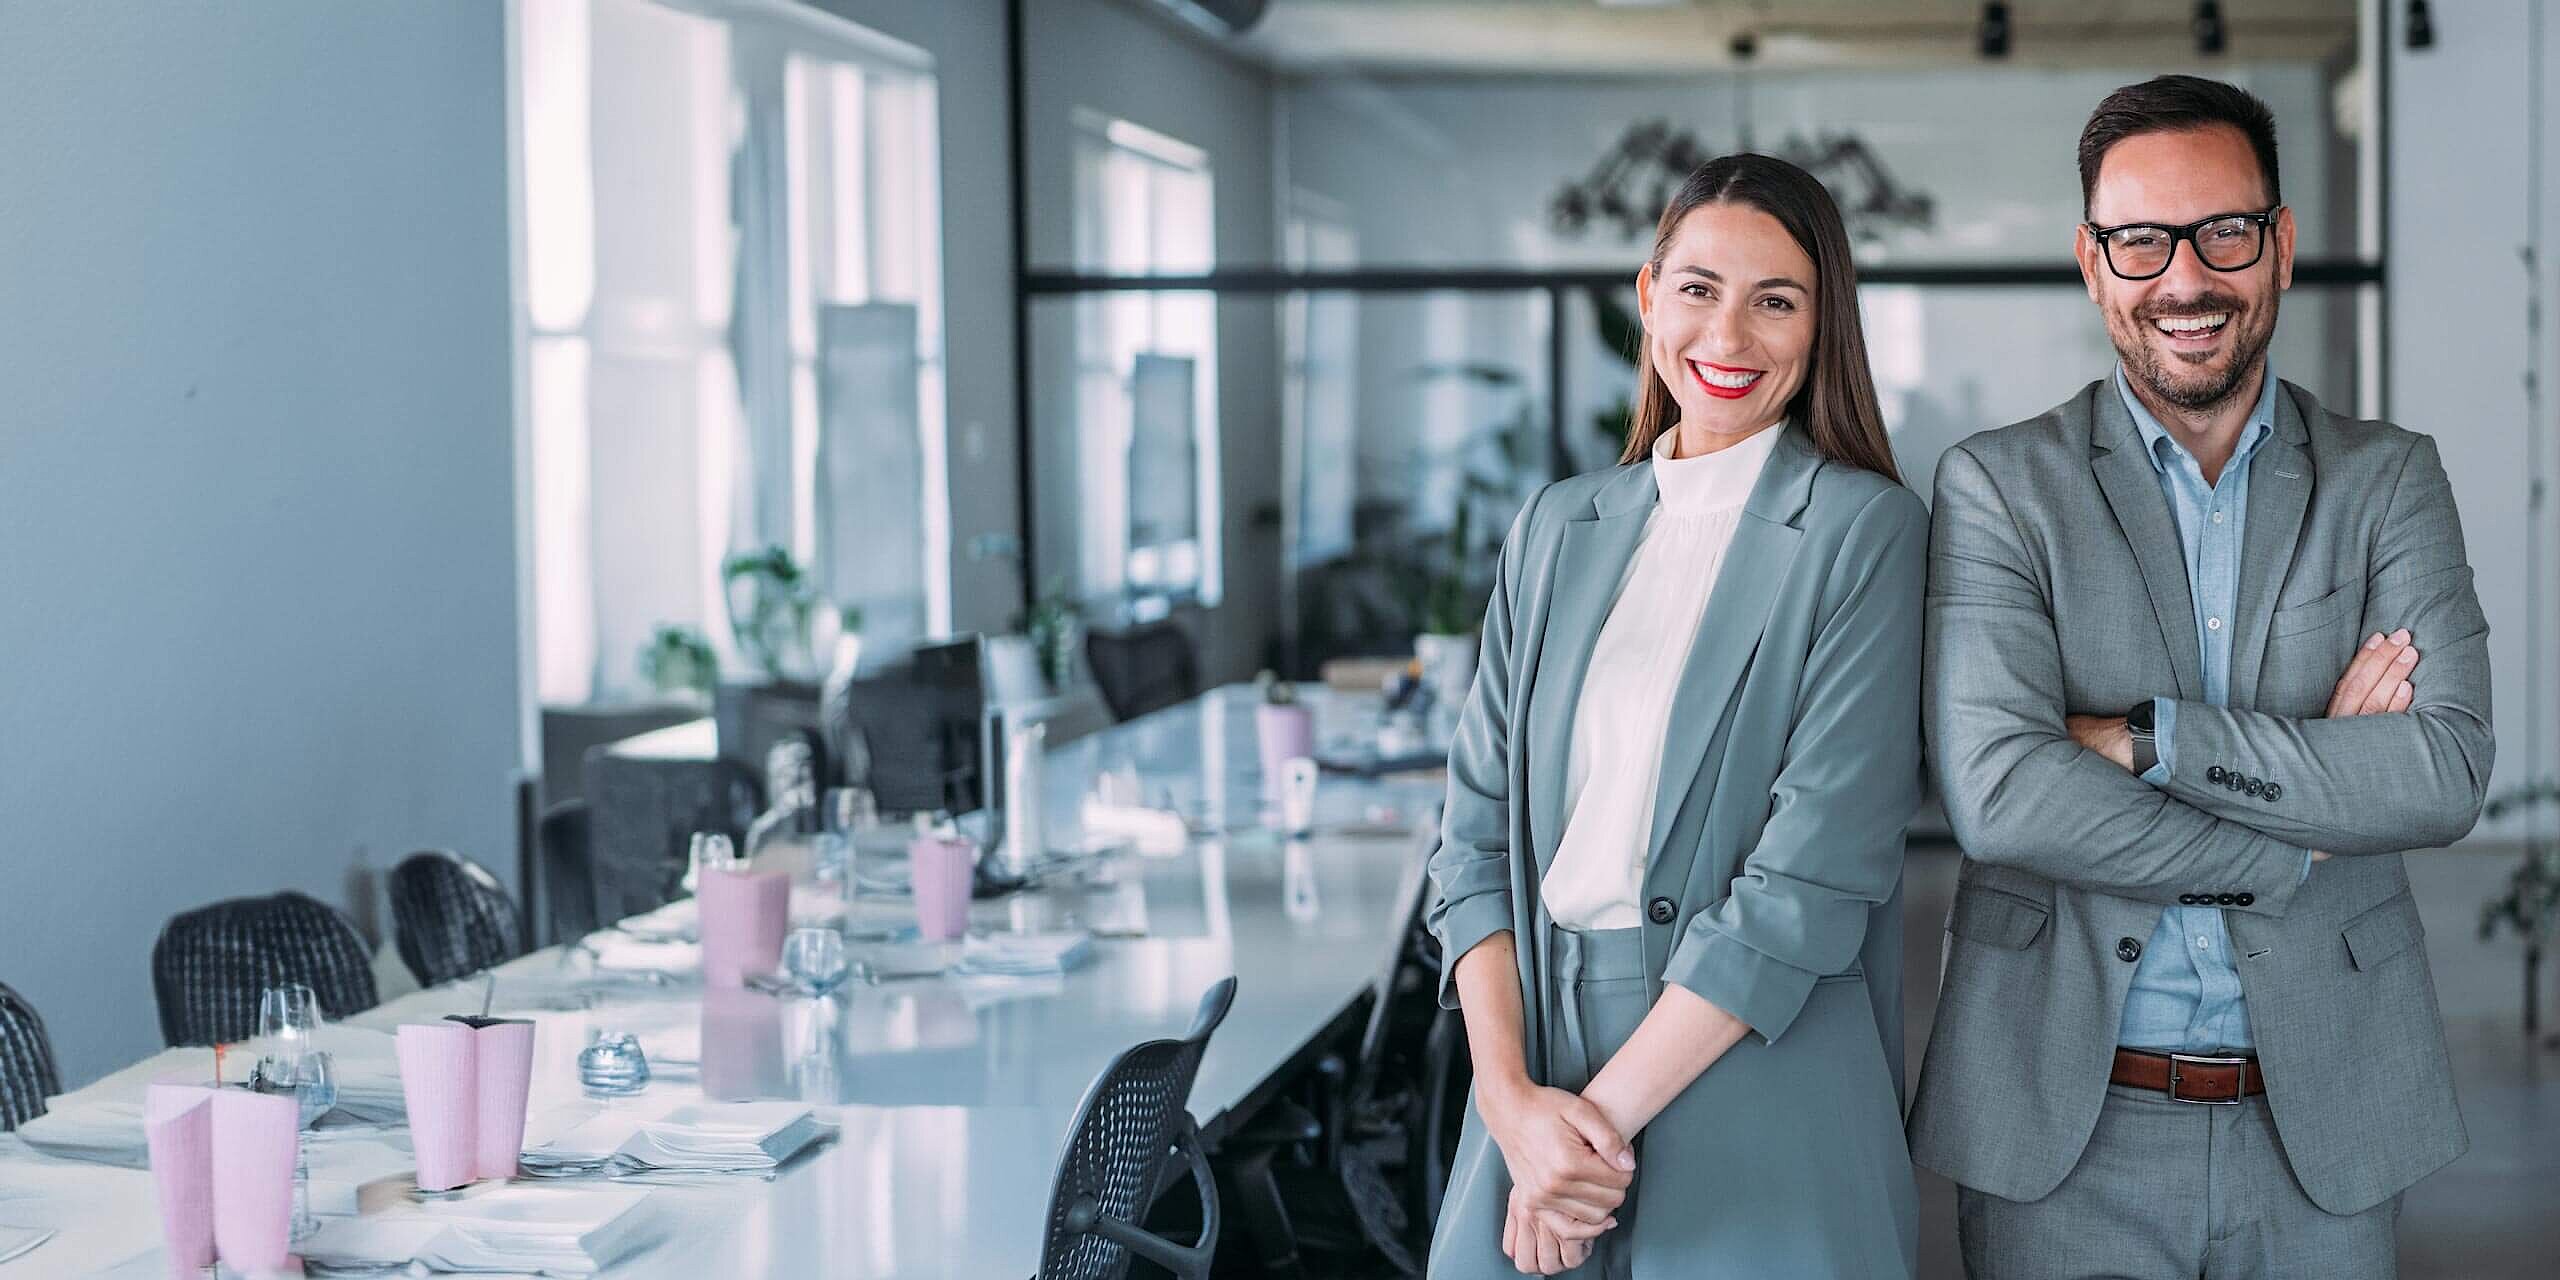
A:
2146	744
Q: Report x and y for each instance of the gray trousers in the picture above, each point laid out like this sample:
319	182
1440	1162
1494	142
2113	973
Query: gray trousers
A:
2174	1191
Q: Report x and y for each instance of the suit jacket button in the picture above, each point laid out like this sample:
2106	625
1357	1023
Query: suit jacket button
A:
2253	786
2274	793
2235	781
1661	910
2128	950
2216	774
2186	899
2247	900
2226	899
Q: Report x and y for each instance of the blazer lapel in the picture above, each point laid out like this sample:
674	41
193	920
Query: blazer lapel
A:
2279	494
1591	558
1763	548
2132	487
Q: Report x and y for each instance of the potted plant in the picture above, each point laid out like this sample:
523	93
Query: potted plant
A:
678	663
771	602
2530	907
1055	629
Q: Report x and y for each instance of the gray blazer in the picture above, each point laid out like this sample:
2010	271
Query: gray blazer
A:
2057	586
1790	765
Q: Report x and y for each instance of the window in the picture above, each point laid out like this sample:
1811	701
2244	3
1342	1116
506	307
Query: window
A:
1146	364
732	333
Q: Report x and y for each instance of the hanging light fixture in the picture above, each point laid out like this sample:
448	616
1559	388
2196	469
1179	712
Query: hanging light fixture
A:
2421	26
2208	28
1992	35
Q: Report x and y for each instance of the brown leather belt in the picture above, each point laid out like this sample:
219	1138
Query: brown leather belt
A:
2187	1077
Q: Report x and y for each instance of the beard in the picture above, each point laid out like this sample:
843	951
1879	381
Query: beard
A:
2196	388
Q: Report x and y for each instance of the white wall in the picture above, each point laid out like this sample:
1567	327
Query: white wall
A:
2457	297
256	475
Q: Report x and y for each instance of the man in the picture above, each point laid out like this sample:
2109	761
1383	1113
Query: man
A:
2176	712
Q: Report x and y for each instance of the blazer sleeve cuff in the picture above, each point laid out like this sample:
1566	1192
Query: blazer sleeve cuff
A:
1726	972
1460	926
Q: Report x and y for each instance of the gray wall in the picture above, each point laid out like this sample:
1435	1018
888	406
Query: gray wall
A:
257	502
1120	59
966	40
2457	298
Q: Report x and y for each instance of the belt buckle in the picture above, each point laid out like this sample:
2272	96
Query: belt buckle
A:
2239	1089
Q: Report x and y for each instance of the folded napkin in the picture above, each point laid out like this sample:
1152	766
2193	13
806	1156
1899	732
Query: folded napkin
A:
1019	955
17	1242
99	1131
754	1138
1153	831
550	1231
619	953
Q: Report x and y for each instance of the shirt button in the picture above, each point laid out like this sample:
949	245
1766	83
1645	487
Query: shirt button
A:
2217	517
2204	944
2213	624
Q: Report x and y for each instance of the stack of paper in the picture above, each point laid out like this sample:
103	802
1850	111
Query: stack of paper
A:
1023	955
550	1231
701	1138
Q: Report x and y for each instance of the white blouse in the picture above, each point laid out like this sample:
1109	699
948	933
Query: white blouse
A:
1615	765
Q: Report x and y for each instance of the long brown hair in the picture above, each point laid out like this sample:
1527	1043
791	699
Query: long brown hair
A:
1837	403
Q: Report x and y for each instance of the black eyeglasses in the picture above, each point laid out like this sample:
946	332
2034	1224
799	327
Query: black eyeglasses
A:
2224	242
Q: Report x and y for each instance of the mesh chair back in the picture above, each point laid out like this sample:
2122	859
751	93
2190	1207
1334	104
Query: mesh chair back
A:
642	813
451	917
1143	668
1121	1146
27	1073
568	882
211	965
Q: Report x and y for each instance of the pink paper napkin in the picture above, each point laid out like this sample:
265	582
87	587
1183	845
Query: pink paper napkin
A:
941	873
744	915
505	1052
255	1136
440	1082
177	1121
1283	732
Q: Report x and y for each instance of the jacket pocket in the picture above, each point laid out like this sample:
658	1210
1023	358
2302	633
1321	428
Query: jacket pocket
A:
2297	619
1996	919
2384	931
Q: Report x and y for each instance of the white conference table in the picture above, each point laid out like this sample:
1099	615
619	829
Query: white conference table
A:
952	1097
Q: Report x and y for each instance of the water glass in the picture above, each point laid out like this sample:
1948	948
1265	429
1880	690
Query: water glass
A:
815	959
612	1066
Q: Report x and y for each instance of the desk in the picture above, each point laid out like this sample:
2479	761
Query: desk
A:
952	1107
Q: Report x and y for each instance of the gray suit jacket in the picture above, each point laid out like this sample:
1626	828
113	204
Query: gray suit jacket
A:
2057	586
1789	766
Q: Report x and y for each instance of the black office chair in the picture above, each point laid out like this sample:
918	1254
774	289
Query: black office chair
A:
642	814
451	918
1119	1152
212	964
1143	668
911	740
568	879
27	1073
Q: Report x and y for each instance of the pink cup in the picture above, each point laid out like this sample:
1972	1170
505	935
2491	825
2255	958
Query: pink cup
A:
177	1121
505	1054
1284	731
942	873
440	1082
255	1137
744	915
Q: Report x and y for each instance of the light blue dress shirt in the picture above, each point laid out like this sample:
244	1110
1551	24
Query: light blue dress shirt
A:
2186	991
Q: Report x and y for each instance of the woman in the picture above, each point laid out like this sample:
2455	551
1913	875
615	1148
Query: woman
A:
1668	886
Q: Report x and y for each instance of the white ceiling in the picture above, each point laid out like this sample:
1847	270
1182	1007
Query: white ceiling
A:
1637	37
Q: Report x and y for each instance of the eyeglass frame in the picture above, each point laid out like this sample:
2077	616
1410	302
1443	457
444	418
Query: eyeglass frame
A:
2186	235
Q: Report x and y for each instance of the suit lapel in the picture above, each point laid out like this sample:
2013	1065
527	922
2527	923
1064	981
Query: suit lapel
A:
2279	494
2132	487
1757	561
1591	558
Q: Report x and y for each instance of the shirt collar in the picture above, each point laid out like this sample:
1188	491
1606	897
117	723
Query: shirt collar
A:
2261	424
1718	481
